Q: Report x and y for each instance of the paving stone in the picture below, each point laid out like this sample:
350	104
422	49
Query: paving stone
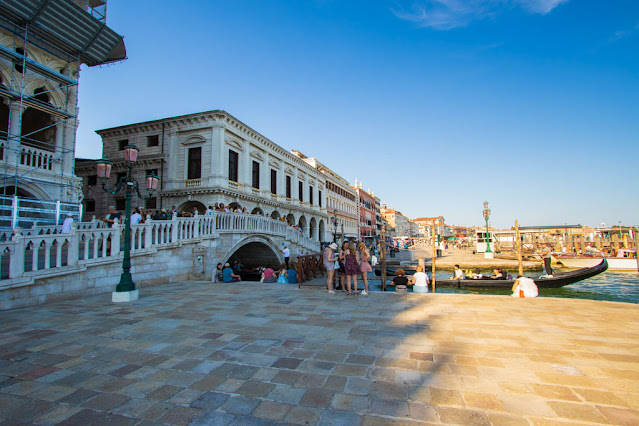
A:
80	396
483	401
348	402
317	398
210	401
333	417
271	410
286	394
422	412
335	383
390	390
180	416
31	410
619	416
255	389
389	407
90	417
452	415
308	381
572	411
240	405
286	377
358	386
208	383
303	416
213	418
289	363
106	402
350	370
57	415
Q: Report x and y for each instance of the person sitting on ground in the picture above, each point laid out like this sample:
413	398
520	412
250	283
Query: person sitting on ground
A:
228	276
525	287
291	274
400	281
269	276
282	275
420	280
459	274
217	274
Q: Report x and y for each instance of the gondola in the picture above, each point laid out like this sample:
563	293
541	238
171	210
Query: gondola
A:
558	280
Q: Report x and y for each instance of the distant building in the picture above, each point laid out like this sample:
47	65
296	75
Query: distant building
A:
426	224
367	215
212	157
341	202
402	225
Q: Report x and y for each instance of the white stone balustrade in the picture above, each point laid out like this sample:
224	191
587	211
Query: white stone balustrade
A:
43	250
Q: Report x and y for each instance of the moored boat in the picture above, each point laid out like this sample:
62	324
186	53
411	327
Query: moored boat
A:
557	280
626	260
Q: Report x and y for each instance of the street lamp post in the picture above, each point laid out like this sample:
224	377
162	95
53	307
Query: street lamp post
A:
125	290
335	226
488	254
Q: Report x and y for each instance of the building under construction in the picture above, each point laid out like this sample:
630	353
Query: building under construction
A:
42	45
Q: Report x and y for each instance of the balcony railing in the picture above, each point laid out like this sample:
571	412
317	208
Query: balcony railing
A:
193	183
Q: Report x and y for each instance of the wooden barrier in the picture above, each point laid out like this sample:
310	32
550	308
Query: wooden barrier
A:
309	266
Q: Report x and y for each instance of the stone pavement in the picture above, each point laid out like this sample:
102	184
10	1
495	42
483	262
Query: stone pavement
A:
250	353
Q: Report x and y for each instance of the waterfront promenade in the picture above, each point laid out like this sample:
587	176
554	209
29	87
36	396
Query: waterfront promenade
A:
251	353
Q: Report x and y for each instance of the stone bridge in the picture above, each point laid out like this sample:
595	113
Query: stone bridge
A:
42	264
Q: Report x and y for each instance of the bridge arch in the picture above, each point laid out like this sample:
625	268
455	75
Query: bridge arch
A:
254	250
290	219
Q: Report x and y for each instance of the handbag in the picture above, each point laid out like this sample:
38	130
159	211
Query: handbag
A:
336	265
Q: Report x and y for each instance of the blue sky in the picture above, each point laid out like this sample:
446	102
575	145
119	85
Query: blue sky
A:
435	105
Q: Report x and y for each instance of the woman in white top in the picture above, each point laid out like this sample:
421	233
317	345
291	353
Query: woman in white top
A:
420	280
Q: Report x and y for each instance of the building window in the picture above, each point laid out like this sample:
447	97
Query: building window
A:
151	203
153	140
256	175
273	181
319	198
122	144
120	204
310	195
234	159
300	186
195	163
89	206
92	180
288	187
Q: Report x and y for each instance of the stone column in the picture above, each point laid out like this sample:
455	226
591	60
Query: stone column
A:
265	179
172	147
295	194
13	142
218	155
246	167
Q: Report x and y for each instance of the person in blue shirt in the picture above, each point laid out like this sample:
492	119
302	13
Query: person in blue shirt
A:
292	276
228	276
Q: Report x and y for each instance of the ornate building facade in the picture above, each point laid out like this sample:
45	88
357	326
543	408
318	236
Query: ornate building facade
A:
212	157
341	202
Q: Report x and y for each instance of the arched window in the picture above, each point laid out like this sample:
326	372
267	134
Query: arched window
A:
38	129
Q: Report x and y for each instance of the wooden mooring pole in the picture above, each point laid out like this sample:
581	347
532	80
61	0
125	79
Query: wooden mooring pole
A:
434	257
521	265
382	254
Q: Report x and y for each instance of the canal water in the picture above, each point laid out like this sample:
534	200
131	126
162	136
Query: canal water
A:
610	286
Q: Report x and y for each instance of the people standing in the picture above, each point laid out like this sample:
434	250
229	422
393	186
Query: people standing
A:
287	255
112	217
546	254
136	217
351	266
341	257
364	265
329	264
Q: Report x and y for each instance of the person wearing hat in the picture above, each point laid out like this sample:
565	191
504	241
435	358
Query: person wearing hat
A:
112	217
228	276
329	263
66	225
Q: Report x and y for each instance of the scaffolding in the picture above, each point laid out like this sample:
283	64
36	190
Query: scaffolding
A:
44	43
